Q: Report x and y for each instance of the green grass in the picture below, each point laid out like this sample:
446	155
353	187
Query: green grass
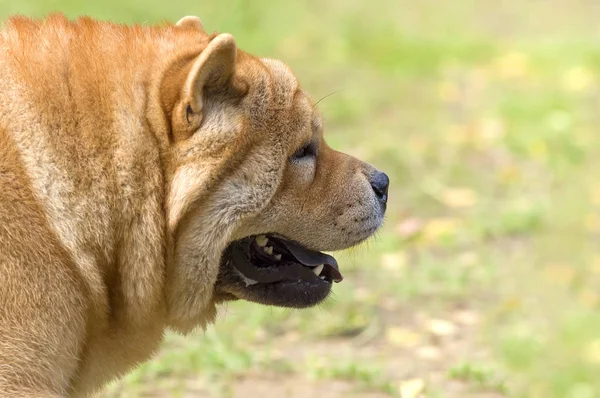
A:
485	116
480	376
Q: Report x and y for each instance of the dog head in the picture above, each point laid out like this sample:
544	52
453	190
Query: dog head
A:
254	192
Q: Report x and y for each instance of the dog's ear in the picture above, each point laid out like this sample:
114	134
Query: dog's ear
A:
191	22
211	71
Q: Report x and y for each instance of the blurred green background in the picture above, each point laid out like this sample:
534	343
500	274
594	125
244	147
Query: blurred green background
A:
485	281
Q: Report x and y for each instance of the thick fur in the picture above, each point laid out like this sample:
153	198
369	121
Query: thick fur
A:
130	157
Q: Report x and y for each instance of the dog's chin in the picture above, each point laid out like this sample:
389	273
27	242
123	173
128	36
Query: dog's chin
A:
271	270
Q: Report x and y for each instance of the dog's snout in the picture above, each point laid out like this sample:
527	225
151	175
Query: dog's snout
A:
380	183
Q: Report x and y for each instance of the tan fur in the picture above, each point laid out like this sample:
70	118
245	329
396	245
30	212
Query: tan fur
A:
130	157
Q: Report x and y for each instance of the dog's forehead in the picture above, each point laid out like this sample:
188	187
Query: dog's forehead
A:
281	74
277	98
284	85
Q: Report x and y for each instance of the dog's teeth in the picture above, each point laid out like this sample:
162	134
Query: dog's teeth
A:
269	250
261	240
277	257
317	270
322	277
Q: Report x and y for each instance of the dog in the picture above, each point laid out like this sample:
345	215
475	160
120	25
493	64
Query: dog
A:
148	174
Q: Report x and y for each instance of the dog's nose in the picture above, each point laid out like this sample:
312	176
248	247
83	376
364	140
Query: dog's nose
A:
380	183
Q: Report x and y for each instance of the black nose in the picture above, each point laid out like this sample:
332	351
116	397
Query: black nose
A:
380	183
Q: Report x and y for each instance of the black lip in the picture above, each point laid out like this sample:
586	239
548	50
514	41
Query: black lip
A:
240	259
289	294
245	253
290	282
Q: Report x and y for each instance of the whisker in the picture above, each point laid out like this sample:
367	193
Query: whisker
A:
328	95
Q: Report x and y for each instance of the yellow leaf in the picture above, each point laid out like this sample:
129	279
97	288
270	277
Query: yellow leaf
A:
364	294
589	298
389	303
510	305
418	145
592	352
402	337
468	259
394	261
458	134
538	150
538	390
595	195
441	327
491	130
509	174
578	79
439	227
466	317
596	264
429	353
409	227
512	64
559	274
459	197
412	388
592	222
449	91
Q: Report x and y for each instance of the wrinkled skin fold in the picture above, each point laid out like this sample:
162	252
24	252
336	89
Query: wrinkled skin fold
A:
148	174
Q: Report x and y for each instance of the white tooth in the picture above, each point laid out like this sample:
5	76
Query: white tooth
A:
247	281
322	277
277	257
261	240
269	250
317	270
250	282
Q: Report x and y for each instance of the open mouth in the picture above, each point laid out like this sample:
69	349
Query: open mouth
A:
278	271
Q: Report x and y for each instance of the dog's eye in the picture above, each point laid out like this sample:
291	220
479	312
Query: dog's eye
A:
305	151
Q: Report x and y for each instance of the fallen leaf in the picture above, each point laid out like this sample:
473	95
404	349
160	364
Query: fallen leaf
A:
276	354
559	274
409	227
538	150
390	304
578	79
595	195
478	79
363	294
491	130
402	337
418	145
512	64
509	174
466	317
441	327
412	388
438	228
596	264
458	134
449	91
592	352
468	259
510	305
429	353
292	337
589	298
459	197
592	222
394	261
